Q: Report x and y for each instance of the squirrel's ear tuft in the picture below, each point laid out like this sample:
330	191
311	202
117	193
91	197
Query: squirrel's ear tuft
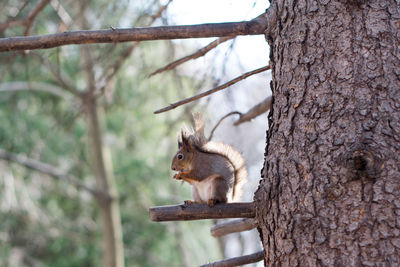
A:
180	140
185	142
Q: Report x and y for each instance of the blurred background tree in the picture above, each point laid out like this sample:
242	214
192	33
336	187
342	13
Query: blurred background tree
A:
84	155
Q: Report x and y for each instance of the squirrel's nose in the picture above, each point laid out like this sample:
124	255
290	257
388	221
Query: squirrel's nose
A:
173	168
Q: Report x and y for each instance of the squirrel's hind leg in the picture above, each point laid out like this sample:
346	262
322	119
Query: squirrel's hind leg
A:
219	191
196	197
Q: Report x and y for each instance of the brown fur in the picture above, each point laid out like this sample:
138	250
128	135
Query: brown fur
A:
197	161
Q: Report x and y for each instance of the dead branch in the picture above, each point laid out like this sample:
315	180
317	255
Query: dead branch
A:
237	261
61	12
32	86
160	11
62	78
11	23
209	92
127	52
219	122
32	15
253	27
234	226
28	21
198	54
24	5
255	111
50	171
185	212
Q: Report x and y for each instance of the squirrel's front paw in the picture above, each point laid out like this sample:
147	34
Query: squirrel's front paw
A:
189	202
177	176
211	202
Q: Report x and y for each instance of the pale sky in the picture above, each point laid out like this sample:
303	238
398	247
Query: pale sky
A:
247	49
194	11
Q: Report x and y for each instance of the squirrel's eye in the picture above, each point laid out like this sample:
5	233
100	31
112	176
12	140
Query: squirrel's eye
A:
180	156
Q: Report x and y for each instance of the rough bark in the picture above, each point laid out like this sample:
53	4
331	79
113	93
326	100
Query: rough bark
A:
329	194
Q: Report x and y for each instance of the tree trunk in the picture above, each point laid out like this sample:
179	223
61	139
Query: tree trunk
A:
330	188
109	208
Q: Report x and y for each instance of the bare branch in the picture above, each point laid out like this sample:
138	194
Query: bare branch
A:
34	12
253	27
61	12
50	171
198	54
219	122
127	52
160	11
237	261
185	212
24	5
234	226
11	23
28	21
255	111
209	92
61	78
33	86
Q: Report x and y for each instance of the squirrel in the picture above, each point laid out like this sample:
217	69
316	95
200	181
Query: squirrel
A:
215	170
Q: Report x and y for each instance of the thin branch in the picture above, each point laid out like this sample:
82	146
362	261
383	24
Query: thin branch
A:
186	212
219	122
61	78
237	261
28	20
11	23
117	66
160	11
25	4
253	27
209	92
50	171
198	54
34	12
33	86
234	226
61	12
255	111
127	52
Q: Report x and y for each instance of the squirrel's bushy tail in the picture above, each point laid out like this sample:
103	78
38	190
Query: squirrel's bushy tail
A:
237	161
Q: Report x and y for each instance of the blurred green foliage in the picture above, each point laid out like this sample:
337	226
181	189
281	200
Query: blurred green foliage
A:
48	222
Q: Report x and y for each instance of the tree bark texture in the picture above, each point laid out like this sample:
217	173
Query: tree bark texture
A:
330	188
